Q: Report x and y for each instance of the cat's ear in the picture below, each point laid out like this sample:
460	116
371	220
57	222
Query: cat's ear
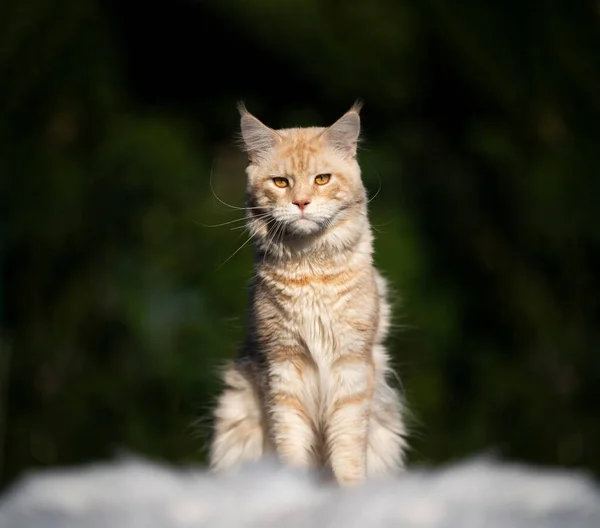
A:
344	133
257	139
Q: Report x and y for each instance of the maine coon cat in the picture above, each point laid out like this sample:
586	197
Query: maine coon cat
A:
311	382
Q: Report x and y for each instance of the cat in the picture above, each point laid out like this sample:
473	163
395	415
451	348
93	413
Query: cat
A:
311	383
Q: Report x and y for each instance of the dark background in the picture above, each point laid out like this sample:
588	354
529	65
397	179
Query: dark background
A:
481	125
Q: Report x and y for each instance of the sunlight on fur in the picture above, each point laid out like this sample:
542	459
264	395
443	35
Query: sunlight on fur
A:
312	381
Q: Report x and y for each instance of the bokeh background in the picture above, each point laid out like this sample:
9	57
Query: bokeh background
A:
482	140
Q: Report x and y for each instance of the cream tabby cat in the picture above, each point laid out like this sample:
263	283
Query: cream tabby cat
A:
311	383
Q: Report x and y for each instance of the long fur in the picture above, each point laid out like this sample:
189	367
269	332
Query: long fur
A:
311	383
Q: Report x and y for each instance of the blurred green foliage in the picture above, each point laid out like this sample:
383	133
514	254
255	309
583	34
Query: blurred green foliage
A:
481	130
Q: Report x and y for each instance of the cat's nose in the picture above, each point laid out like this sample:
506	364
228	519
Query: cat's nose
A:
301	204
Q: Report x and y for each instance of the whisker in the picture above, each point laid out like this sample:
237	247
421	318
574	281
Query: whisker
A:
219	199
271	220
277	227
384	224
232	221
378	190
220	225
215	194
258	217
235	252
281	234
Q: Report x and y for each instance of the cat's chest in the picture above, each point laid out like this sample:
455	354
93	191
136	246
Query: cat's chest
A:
319	318
316	310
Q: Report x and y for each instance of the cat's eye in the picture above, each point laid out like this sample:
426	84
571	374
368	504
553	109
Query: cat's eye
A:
281	182
322	179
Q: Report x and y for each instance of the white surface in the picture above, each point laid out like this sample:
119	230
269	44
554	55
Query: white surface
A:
134	494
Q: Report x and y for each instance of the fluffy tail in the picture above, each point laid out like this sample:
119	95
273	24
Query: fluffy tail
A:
239	432
386	444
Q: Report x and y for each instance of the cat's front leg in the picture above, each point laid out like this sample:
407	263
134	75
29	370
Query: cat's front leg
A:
292	395
347	421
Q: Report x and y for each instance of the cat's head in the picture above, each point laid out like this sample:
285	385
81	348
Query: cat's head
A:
302	181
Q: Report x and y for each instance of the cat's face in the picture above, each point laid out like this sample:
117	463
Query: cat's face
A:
302	181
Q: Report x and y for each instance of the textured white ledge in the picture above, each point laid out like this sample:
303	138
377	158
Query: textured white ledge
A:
136	494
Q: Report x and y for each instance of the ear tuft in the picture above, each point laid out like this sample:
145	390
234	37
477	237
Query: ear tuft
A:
343	135
357	106
258	139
